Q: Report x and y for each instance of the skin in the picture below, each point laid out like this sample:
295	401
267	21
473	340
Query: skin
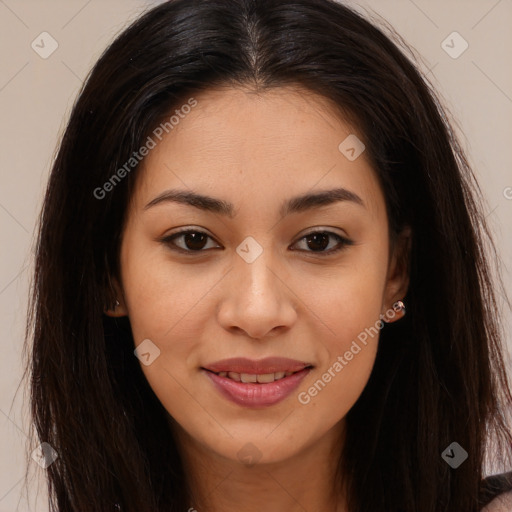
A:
256	151
502	503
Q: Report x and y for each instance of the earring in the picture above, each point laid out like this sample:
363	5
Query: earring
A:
116	303
399	307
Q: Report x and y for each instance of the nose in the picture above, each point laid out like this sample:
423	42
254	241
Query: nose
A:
259	301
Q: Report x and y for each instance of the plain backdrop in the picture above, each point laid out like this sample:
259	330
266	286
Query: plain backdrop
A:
36	95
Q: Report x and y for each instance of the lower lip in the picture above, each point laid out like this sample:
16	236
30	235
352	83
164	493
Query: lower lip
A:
257	395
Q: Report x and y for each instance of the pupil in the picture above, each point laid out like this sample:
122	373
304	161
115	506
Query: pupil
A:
194	238
315	237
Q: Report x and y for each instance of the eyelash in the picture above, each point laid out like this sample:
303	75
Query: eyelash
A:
343	242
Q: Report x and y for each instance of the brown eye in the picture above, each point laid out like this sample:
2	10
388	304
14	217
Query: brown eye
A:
191	241
318	241
194	241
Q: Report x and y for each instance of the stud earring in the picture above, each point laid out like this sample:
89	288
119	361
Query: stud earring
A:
399	307
116	303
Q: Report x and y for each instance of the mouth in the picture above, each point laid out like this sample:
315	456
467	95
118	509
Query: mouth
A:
260	383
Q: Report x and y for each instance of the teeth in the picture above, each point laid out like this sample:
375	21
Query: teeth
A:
248	377
265	378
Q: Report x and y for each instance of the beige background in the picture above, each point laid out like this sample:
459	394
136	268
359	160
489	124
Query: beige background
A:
36	95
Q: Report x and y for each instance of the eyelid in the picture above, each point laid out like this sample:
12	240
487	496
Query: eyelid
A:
322	229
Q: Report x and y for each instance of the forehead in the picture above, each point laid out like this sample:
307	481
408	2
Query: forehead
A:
260	145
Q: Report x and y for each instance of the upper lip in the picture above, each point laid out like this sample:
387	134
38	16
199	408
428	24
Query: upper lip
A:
257	367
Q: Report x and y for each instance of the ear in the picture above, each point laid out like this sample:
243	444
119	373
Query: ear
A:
397	280
118	306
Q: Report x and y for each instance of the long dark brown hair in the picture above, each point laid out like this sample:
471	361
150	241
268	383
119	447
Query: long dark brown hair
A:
439	375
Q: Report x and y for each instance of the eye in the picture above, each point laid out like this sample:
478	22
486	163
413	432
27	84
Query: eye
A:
192	241
318	240
196	241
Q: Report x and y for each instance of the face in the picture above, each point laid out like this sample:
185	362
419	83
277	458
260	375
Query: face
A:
258	273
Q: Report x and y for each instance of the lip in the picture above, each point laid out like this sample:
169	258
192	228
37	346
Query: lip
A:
257	395
254	367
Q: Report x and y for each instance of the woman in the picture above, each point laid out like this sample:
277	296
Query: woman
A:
260	278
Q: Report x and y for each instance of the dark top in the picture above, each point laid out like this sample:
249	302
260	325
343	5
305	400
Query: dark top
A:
493	486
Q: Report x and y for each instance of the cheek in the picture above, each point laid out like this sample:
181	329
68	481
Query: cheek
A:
350	325
169	308
348	317
337	386
161	296
347	301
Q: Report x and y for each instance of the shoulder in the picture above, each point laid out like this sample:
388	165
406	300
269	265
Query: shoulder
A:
496	493
502	503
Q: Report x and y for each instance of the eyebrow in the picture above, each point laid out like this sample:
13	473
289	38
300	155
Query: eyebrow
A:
296	204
